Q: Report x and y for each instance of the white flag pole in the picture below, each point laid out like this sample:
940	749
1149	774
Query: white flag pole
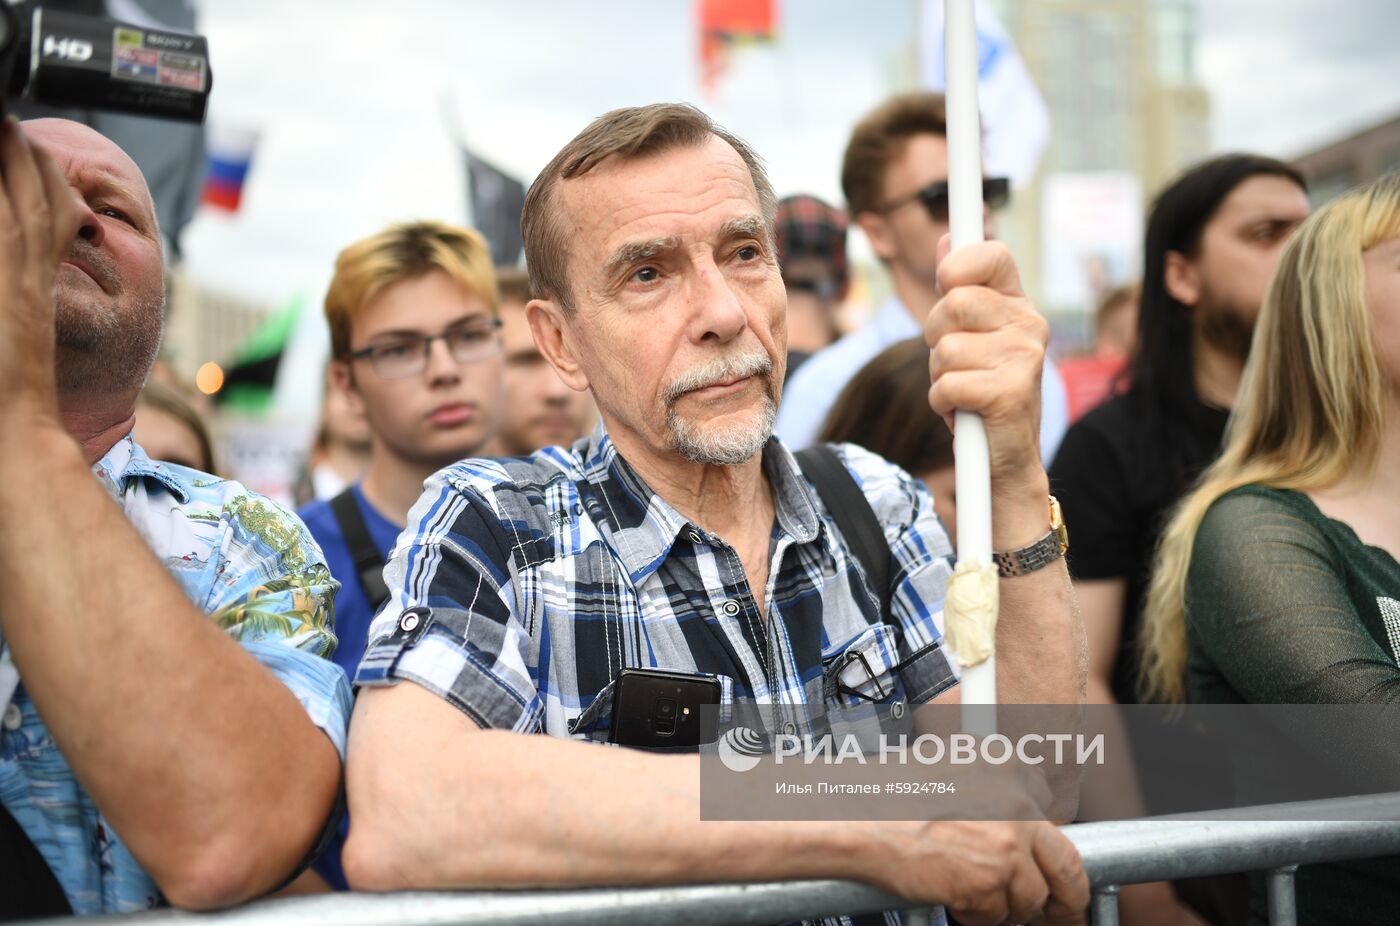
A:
974	513
973	587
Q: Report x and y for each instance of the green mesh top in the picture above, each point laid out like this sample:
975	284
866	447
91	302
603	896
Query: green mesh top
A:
1287	606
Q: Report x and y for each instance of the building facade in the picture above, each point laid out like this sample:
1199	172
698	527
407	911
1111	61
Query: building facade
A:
1359	158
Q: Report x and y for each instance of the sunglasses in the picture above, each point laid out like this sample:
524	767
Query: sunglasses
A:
996	193
822	288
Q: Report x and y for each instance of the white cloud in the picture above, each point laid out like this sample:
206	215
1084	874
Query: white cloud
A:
1289	75
347	97
346	94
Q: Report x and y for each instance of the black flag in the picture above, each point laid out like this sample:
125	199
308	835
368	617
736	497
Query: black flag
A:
496	202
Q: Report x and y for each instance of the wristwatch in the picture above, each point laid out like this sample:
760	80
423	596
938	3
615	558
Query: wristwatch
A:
1041	553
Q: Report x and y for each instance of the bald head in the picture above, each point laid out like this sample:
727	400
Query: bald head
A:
109	291
68	142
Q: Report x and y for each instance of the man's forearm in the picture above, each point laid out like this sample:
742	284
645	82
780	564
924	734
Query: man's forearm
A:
1041	655
193	751
1040	643
436	802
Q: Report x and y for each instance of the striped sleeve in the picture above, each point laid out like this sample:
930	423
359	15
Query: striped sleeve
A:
450	624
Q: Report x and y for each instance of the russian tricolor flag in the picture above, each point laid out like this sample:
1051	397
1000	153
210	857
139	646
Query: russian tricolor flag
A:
227	154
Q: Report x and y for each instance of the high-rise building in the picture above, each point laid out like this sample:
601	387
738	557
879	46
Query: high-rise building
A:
1126	113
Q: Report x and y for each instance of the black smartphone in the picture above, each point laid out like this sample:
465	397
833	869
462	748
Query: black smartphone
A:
656	709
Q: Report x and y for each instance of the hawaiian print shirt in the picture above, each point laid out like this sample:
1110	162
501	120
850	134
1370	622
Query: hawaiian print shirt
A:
253	568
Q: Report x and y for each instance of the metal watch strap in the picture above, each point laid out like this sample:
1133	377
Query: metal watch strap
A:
1030	558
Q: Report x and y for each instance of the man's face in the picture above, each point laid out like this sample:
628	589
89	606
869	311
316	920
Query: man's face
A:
813	298
678	326
1117	334
540	410
906	236
343	418
449	409
109	292
1240	247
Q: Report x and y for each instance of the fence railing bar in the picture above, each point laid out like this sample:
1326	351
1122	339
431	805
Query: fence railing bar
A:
1105	907
1114	853
1367	808
759	904
1185	850
1283	899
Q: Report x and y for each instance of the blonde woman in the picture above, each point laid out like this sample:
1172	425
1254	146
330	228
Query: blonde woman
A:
1277	579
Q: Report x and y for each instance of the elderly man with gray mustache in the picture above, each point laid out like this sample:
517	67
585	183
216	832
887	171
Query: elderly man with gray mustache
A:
681	536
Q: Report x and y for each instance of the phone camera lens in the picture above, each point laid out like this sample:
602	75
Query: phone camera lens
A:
665	707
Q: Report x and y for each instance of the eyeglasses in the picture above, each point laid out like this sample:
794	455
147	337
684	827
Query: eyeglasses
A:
407	355
996	193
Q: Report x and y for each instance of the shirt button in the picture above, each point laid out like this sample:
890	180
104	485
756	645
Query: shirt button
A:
790	728
696	538
409	622
13	717
730	607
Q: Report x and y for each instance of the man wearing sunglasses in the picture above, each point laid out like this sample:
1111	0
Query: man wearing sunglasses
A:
414	319
895	179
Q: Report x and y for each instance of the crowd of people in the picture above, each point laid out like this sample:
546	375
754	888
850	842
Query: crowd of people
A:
528	481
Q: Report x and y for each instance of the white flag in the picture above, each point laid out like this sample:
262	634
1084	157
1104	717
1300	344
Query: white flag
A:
1015	122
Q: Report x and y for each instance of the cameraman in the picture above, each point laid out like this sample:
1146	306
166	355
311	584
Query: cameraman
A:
171	730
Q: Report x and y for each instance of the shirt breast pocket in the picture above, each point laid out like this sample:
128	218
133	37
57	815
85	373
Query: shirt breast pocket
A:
862	670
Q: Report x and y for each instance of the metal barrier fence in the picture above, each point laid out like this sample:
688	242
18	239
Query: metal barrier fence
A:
1277	839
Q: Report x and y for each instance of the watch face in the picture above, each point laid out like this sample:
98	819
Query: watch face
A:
1057	524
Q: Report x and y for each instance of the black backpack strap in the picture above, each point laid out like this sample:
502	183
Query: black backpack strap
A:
27	884
854	517
369	565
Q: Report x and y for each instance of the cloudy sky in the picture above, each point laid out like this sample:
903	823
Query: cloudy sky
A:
347	97
1287	75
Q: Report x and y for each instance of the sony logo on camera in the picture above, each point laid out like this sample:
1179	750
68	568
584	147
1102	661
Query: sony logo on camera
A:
166	40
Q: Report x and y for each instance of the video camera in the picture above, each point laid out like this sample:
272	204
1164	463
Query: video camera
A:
61	58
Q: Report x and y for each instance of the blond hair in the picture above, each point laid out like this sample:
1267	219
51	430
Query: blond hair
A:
1311	405
633	132
402	252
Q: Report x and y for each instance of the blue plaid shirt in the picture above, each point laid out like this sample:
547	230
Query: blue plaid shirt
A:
241	559
522	587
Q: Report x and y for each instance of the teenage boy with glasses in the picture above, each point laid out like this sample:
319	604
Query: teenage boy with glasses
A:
414	319
895	179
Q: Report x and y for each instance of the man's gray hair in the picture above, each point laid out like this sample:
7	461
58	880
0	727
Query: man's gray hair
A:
633	132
